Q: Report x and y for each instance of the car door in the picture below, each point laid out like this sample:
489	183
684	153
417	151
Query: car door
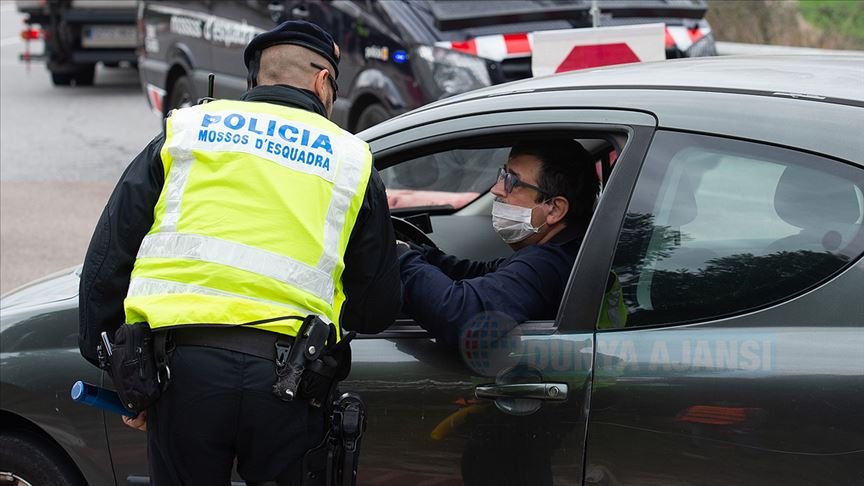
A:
740	361
510	404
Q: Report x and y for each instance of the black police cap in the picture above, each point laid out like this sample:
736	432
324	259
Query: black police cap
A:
299	33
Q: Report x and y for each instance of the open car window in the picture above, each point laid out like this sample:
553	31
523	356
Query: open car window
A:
452	179
449	181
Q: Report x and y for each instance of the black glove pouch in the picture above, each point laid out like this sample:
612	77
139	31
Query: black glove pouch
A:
133	367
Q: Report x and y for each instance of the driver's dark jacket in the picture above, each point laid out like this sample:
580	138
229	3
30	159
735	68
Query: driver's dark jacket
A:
370	278
445	294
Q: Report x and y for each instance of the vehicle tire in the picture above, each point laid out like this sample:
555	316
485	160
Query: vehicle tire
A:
371	116
31	462
85	74
182	94
61	79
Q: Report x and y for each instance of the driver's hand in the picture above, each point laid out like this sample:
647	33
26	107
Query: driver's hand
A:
401	247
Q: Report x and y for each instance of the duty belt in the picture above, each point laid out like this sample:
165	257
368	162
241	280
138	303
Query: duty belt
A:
247	340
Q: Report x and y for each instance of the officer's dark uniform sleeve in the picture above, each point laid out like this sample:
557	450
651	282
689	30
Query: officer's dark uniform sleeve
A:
122	226
371	276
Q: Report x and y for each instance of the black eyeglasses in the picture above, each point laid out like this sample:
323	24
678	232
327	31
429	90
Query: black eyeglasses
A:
512	181
329	78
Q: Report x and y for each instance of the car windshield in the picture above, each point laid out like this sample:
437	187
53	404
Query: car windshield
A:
449	179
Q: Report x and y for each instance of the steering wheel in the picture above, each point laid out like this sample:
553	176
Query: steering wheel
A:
410	233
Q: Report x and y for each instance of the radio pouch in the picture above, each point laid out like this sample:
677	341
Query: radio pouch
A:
139	365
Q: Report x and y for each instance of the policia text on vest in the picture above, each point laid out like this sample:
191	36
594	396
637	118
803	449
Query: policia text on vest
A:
269	136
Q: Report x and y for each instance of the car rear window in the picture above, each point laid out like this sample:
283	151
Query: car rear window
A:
718	226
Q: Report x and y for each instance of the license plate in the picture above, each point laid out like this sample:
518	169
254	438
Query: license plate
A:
109	36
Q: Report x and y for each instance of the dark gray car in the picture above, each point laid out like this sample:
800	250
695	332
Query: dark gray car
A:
712	331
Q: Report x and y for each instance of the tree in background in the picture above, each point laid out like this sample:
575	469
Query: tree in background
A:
828	24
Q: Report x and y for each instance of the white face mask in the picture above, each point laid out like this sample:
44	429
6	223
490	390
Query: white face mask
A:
513	223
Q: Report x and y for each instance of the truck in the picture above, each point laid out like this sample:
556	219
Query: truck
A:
78	34
397	55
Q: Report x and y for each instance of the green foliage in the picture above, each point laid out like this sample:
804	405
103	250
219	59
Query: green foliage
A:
826	24
843	17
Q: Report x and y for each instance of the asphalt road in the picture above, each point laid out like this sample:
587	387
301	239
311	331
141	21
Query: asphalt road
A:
61	152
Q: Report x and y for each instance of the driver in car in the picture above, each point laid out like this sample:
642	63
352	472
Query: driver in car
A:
544	199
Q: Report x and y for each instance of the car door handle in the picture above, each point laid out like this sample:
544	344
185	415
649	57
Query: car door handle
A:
538	391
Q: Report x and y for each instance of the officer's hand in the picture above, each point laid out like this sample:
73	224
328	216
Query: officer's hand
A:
139	422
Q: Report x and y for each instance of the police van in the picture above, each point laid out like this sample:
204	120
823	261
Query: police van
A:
396	54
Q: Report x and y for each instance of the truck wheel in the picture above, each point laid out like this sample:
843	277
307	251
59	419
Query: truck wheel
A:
25	461
182	94
85	74
370	116
82	75
61	79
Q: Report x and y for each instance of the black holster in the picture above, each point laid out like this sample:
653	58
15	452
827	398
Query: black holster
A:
138	365
335	461
323	375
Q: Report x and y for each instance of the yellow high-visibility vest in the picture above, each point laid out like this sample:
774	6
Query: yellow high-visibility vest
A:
613	311
253	220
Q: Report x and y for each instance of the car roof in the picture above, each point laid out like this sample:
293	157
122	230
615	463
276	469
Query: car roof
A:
773	99
839	77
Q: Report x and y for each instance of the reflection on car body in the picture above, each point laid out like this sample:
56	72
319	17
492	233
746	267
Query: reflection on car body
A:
734	233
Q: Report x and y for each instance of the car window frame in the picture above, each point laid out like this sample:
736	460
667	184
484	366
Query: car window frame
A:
583	295
633	129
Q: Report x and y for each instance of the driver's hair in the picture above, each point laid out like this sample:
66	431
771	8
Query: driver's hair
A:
289	64
567	170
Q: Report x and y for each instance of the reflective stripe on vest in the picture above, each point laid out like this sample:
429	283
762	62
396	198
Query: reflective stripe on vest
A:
150	286
231	254
298	167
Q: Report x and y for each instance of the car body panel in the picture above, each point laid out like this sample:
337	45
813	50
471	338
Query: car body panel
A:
776	392
717	112
39	359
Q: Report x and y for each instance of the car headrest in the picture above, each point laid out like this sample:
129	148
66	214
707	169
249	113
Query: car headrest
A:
810	199
684	206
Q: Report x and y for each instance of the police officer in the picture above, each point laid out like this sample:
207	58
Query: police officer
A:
238	220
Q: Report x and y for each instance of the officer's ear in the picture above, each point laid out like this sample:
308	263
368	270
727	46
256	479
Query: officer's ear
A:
321	85
559	208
